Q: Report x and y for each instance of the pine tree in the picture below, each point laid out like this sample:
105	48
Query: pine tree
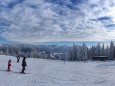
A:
107	51
111	51
98	50
103	50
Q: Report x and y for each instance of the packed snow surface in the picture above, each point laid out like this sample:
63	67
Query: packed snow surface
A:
42	72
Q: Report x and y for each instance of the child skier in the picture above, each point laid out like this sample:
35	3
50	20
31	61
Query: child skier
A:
9	64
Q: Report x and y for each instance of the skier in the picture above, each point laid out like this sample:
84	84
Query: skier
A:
64	60
23	64
9	64
18	59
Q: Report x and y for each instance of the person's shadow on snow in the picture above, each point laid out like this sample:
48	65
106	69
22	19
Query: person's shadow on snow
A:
3	70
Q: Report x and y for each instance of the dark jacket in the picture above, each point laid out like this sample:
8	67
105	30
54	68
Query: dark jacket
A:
24	63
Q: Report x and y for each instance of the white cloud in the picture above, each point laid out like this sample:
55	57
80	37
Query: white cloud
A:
38	21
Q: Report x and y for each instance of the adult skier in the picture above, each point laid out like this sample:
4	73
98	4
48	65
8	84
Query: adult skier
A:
18	59
23	64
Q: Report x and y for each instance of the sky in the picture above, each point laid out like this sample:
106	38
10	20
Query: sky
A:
34	21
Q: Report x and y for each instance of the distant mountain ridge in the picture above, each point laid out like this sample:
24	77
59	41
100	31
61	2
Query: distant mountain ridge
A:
33	51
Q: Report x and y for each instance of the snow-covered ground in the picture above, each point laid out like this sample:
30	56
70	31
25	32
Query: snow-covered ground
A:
41	72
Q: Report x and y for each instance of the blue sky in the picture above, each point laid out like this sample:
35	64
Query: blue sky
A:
33	21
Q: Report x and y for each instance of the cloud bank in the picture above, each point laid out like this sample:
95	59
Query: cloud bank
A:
57	20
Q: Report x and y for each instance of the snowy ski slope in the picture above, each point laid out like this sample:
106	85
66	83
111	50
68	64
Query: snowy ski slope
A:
42	72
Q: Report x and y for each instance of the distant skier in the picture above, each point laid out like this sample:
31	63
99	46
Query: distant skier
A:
64	60
18	59
9	65
23	64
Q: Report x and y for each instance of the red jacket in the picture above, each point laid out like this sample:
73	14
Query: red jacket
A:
9	63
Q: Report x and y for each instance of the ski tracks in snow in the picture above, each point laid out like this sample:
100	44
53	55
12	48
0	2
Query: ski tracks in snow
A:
16	80
34	80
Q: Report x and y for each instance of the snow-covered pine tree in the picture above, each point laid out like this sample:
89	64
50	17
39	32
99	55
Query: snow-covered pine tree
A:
71	53
103	50
1	52
98	50
84	52
111	51
75	52
107	51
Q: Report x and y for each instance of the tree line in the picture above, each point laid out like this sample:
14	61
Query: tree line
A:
82	53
